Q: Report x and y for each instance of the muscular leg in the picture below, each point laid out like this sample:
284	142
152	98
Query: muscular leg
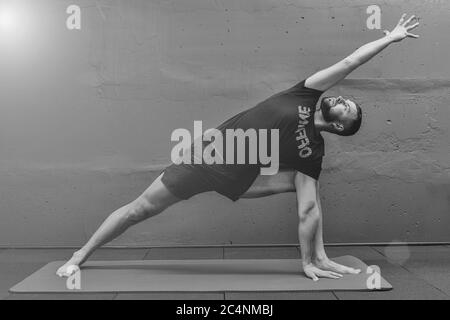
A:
153	201
265	186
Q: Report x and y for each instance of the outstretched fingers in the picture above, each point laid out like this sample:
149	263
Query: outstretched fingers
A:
339	268
413	26
347	270
329	274
315	273
411	35
402	19
403	25
409	20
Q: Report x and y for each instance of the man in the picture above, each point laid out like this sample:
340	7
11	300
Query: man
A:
301	148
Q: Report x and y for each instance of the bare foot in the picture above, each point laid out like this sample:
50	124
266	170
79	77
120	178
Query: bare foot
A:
72	266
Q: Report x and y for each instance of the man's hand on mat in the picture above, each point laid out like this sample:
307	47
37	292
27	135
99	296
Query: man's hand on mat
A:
327	264
315	273
401	31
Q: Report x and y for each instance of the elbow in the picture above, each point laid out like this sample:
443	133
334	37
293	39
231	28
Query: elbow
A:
351	63
309	211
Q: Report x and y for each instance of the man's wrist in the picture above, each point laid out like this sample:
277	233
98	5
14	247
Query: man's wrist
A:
320	257
389	39
306	262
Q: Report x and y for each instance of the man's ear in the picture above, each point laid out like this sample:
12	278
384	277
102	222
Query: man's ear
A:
338	126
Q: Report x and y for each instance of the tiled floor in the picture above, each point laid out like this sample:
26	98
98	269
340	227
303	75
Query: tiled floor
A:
416	272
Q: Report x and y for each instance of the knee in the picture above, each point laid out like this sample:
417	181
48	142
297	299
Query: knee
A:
141	209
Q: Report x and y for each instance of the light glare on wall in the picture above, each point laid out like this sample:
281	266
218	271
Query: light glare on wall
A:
17	36
8	19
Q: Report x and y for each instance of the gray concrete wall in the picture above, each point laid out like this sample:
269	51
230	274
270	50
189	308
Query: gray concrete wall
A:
86	117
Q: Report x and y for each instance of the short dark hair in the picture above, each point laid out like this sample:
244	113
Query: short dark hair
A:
354	125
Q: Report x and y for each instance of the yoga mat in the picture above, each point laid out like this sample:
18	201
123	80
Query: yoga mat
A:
194	276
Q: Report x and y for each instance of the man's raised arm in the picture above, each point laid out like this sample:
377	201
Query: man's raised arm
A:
327	78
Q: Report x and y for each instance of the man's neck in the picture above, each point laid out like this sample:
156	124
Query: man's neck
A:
319	121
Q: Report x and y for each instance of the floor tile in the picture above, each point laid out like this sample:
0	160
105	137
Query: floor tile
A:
119	254
429	263
407	286
360	252
12	273
262	253
416	272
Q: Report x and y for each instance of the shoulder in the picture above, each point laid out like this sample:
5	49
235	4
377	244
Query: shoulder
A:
309	84
306	88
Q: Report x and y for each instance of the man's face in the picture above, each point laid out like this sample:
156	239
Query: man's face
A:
338	109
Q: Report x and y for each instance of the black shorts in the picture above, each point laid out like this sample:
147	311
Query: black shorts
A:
185	181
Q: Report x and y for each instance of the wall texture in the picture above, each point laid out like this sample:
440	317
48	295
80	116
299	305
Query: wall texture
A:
86	116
